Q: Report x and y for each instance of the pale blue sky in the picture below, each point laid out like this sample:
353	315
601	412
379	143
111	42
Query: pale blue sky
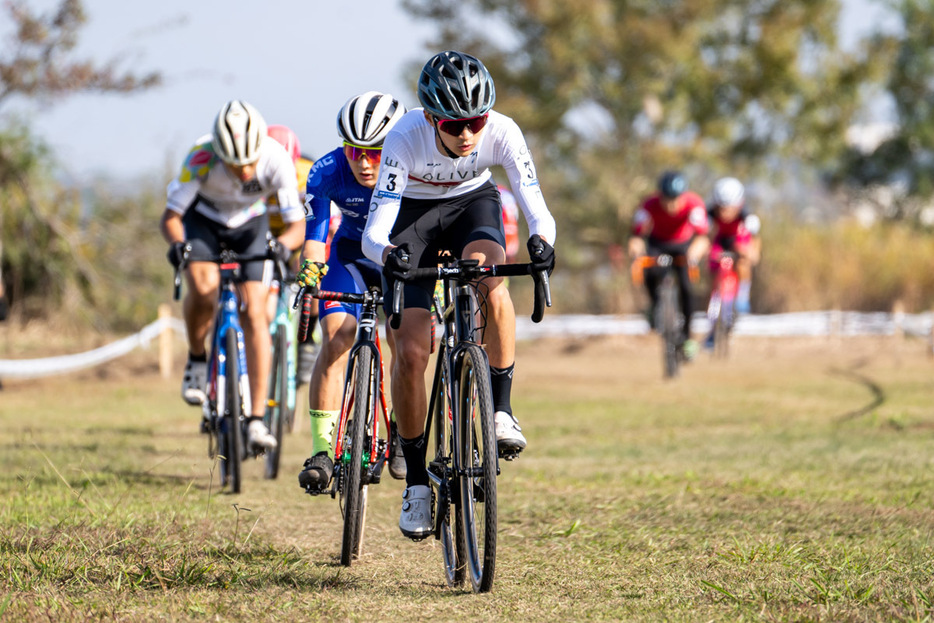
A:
296	61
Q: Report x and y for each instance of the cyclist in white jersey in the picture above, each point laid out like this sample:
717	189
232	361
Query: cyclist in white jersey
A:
218	201
435	193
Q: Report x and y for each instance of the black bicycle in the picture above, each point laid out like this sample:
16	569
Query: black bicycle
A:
464	461
361	444
667	317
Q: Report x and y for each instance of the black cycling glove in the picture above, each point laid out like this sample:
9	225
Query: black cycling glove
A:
541	254
279	251
178	253
397	263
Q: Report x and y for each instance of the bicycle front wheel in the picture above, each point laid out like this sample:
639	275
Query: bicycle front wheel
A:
231	430
354	489
721	336
477	458
668	325
277	403
440	467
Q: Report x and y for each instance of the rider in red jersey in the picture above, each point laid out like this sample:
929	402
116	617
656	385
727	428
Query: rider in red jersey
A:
672	221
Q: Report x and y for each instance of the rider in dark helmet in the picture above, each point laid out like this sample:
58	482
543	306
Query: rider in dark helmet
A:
674	222
435	192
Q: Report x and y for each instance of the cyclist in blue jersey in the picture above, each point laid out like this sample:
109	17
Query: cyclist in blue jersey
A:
345	176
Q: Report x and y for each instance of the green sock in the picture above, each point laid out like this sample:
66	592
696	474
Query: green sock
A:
322	429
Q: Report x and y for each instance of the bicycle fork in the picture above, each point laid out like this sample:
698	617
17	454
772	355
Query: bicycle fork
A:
229	303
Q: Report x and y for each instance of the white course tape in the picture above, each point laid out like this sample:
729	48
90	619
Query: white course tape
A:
33	368
822	323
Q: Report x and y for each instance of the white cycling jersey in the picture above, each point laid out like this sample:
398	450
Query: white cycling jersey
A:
413	167
206	185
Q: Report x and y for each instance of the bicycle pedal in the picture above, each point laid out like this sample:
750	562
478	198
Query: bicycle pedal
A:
421	538
509	454
313	491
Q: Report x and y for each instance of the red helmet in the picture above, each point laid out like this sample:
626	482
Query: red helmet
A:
287	139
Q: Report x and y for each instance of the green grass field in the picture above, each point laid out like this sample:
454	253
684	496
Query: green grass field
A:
790	483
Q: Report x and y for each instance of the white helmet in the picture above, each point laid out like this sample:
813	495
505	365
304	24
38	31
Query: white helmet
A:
728	191
366	119
238	133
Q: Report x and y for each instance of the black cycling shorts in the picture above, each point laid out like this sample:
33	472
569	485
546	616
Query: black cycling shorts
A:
207	238
430	226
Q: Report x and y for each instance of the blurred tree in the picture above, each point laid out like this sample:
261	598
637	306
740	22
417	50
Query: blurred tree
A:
43	256
38	64
610	92
901	159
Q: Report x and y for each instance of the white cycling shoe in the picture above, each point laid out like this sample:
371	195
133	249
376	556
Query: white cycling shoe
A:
258	436
415	519
194	382
509	435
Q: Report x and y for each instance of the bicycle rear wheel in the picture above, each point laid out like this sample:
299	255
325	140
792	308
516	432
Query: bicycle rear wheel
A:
668	325
477	465
354	489
277	403
231	429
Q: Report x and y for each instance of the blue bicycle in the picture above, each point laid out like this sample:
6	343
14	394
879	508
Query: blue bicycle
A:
228	402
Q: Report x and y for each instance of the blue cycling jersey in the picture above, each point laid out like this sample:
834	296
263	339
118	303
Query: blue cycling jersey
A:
332	180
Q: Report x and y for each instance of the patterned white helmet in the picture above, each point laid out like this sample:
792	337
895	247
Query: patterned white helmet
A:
366	119
728	191
238	133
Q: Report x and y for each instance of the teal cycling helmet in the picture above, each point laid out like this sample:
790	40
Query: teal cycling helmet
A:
672	184
454	85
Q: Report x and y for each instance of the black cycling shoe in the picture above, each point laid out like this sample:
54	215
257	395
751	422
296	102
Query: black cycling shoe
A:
397	468
316	473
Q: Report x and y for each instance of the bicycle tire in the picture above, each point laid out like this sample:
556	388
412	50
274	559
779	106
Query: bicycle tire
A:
667	322
277	404
478	467
354	489
292	384
450	528
232	430
721	335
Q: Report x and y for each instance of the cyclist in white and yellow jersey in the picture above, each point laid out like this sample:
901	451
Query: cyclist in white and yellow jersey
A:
218	201
435	192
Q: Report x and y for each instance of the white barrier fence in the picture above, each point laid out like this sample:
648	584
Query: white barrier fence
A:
49	366
807	324
820	323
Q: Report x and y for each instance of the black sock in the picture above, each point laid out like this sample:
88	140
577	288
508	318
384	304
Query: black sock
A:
414	452
203	357
501	383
